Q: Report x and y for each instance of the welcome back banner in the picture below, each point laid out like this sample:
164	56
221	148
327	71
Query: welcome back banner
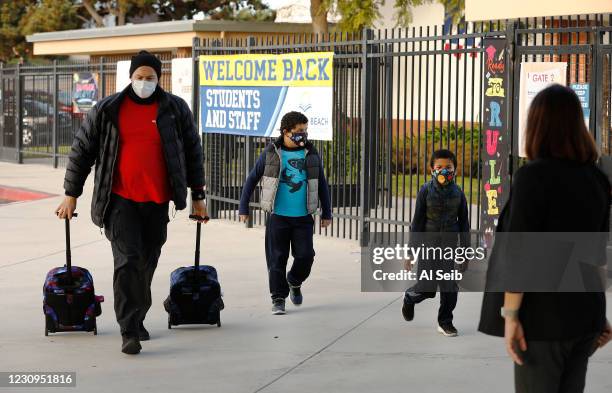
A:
249	94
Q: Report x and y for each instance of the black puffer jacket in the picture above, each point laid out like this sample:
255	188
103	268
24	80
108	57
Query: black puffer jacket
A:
97	140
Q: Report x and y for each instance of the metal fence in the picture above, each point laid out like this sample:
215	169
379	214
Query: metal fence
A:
399	94
38	115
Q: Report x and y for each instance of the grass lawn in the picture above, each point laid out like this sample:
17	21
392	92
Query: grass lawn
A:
401	183
37	151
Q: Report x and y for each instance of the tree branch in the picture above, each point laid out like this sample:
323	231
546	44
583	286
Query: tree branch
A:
94	14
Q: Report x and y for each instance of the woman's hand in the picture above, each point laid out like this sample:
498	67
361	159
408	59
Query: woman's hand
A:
515	338
605	336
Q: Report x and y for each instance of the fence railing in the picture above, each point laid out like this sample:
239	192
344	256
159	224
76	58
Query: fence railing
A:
399	94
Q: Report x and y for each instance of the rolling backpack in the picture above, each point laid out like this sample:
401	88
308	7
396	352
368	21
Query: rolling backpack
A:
69	300
195	292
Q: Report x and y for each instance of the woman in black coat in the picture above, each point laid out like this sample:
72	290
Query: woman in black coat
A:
550	335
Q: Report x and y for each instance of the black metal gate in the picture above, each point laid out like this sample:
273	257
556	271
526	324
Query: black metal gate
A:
398	95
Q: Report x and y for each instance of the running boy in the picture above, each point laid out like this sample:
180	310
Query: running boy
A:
441	207
293	182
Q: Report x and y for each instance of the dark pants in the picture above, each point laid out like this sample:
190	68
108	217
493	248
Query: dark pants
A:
554	366
137	232
283	233
426	289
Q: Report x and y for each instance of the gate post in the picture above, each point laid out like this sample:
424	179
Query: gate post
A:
54	129
366	122
596	88
248	145
102	78
195	90
496	133
18	115
2	101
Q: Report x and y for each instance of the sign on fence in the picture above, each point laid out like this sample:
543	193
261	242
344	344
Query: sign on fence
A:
122	79
182	79
582	91
496	135
248	94
85	93
535	77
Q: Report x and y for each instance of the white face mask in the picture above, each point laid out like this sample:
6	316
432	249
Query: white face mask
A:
143	89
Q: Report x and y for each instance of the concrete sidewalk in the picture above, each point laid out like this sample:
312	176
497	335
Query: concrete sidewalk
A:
340	340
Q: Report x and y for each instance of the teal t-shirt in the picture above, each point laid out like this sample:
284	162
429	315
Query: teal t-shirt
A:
291	194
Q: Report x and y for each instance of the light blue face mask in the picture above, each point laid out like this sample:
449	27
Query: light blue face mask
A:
144	89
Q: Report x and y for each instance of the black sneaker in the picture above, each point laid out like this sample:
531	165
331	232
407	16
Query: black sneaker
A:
447	329
278	306
408	311
131	345
143	334
295	294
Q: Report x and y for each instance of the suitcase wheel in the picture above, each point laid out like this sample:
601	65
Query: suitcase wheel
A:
95	329
219	322
46	332
169	324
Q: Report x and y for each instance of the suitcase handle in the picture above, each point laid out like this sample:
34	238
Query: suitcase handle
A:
198	235
196	271
68	252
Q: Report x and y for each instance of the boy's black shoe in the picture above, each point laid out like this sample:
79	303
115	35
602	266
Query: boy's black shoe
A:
447	329
278	306
131	345
143	334
295	294
408	311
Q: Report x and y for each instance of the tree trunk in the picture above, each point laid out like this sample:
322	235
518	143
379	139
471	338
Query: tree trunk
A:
319	17
92	11
121	18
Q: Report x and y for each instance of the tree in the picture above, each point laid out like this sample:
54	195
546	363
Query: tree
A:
19	18
12	42
357	14
164	10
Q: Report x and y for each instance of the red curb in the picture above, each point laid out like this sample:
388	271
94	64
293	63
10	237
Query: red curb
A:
13	194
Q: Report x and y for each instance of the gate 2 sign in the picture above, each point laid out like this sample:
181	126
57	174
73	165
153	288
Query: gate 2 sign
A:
249	94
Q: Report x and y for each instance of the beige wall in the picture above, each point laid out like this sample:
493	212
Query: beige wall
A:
114	44
504	9
131	44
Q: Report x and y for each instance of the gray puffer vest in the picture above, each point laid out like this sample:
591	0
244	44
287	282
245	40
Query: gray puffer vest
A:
271	176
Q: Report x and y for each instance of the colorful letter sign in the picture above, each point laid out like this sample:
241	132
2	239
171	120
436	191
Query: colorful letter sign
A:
496	136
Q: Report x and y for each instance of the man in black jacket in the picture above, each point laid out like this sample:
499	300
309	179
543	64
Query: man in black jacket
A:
147	151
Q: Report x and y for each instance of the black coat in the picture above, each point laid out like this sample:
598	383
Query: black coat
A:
550	195
97	139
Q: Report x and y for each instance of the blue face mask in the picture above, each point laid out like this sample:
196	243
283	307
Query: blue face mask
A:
443	176
299	138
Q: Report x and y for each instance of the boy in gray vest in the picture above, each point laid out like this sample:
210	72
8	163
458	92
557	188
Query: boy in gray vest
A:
292	183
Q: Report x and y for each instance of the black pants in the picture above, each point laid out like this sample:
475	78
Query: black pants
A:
426	289
283	233
554	366
137	232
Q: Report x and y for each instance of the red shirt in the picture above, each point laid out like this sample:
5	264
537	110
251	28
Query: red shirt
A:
140	171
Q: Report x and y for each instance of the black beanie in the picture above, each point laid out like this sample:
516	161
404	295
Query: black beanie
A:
144	58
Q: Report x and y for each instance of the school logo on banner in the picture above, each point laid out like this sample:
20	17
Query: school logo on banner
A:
248	94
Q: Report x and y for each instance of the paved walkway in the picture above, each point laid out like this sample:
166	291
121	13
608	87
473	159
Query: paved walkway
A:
341	340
